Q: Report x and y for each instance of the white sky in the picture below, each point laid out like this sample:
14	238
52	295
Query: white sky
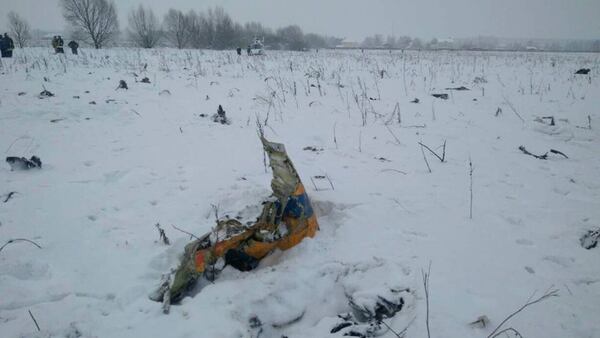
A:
355	19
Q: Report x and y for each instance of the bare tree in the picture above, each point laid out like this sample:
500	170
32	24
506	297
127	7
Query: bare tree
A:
19	29
224	29
201	29
177	28
144	29
97	18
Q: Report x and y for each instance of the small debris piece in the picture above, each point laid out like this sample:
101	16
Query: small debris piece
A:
56	120
542	120
458	88
554	151
313	149
368	311
416	100
220	116
45	93
145	80
21	93
583	71
163	237
122	85
22	163
539	157
367	307
76	96
544	156
590	239
92	102
481	322
442	96
164	92
9	196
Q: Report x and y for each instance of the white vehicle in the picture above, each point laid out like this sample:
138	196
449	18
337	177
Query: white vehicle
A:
256	47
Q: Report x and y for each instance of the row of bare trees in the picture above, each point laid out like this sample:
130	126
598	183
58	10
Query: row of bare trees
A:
96	22
211	29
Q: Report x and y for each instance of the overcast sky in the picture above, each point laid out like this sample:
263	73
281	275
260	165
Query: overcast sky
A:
355	19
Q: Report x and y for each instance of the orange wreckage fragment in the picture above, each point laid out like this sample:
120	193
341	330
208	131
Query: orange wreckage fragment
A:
285	221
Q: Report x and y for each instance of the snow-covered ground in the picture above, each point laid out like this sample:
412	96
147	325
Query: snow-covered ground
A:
152	154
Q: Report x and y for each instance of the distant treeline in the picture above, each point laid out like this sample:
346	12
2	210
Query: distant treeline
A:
481	43
215	29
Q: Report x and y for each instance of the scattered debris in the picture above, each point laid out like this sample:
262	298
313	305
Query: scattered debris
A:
163	237
442	96
544	156
458	88
76	96
313	149
542	119
220	116
583	71
369	309
481	322
590	239
122	85
45	93
286	219
9	196
22	163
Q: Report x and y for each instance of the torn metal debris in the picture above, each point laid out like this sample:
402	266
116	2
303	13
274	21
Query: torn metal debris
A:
22	163
286	219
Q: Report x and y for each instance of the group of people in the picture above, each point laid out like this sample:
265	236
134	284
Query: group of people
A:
6	46
58	45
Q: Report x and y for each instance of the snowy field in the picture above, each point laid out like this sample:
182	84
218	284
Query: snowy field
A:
116	162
